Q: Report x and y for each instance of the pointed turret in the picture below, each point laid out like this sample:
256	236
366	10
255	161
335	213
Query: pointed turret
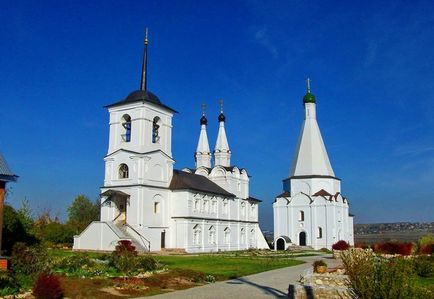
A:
222	153
311	157
203	153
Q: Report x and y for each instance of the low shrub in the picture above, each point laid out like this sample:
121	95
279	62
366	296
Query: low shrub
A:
319	263
424	266
374	277
361	245
341	245
394	248
325	250
124	257
58	233
147	263
47	287
29	260
426	249
8	284
426	240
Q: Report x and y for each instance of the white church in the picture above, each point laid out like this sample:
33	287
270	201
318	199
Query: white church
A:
145	200
311	211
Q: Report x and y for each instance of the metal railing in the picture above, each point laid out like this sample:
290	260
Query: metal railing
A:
146	242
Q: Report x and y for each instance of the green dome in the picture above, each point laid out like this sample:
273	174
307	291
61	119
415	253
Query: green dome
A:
309	98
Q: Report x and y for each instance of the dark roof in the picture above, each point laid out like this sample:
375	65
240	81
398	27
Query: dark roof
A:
254	199
322	192
182	180
284	194
313	176
6	174
141	96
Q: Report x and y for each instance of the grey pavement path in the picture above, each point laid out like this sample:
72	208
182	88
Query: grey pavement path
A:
270	284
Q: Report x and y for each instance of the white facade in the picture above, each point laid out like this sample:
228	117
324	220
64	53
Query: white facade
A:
145	200
311	211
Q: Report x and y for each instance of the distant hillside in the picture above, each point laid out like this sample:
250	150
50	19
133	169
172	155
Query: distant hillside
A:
399	231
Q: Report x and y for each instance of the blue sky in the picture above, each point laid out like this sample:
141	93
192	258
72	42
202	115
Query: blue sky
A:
371	65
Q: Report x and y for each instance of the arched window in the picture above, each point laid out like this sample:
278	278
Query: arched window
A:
197	204
225	206
197	235
227	234
212	235
301	216
123	171
126	123
205	206
155	127
243	236
319	232
243	208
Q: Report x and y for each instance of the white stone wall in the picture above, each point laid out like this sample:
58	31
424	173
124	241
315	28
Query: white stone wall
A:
332	217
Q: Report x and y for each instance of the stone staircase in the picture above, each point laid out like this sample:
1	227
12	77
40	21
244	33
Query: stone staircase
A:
122	231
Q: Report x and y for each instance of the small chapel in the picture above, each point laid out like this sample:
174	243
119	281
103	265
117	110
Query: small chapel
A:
311	211
146	200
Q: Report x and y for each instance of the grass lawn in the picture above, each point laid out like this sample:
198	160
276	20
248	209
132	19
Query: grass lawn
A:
226	267
426	282
184	271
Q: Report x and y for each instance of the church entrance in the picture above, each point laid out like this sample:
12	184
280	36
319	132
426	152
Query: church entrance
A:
280	244
163	239
302	239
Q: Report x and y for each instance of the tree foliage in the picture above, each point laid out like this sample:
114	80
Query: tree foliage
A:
25	215
82	212
14	230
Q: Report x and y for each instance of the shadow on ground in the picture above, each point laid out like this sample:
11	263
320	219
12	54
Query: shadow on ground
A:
268	290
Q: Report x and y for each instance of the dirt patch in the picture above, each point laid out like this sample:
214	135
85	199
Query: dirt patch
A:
117	288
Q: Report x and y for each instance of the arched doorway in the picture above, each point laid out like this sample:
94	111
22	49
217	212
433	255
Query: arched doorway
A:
280	244
302	239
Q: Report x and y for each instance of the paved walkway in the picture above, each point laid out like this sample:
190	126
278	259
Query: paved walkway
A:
270	284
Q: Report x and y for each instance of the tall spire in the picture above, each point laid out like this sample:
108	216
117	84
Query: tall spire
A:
143	81
310	155
203	154
222	153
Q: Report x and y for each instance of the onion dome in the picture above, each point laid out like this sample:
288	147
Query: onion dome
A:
222	117
309	98
203	120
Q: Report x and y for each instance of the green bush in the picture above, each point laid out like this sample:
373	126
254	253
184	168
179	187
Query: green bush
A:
147	263
374	277
124	258
426	240
29	260
58	233
8	284
14	230
424	266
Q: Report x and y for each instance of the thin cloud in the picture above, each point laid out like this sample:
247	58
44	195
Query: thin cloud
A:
262	37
